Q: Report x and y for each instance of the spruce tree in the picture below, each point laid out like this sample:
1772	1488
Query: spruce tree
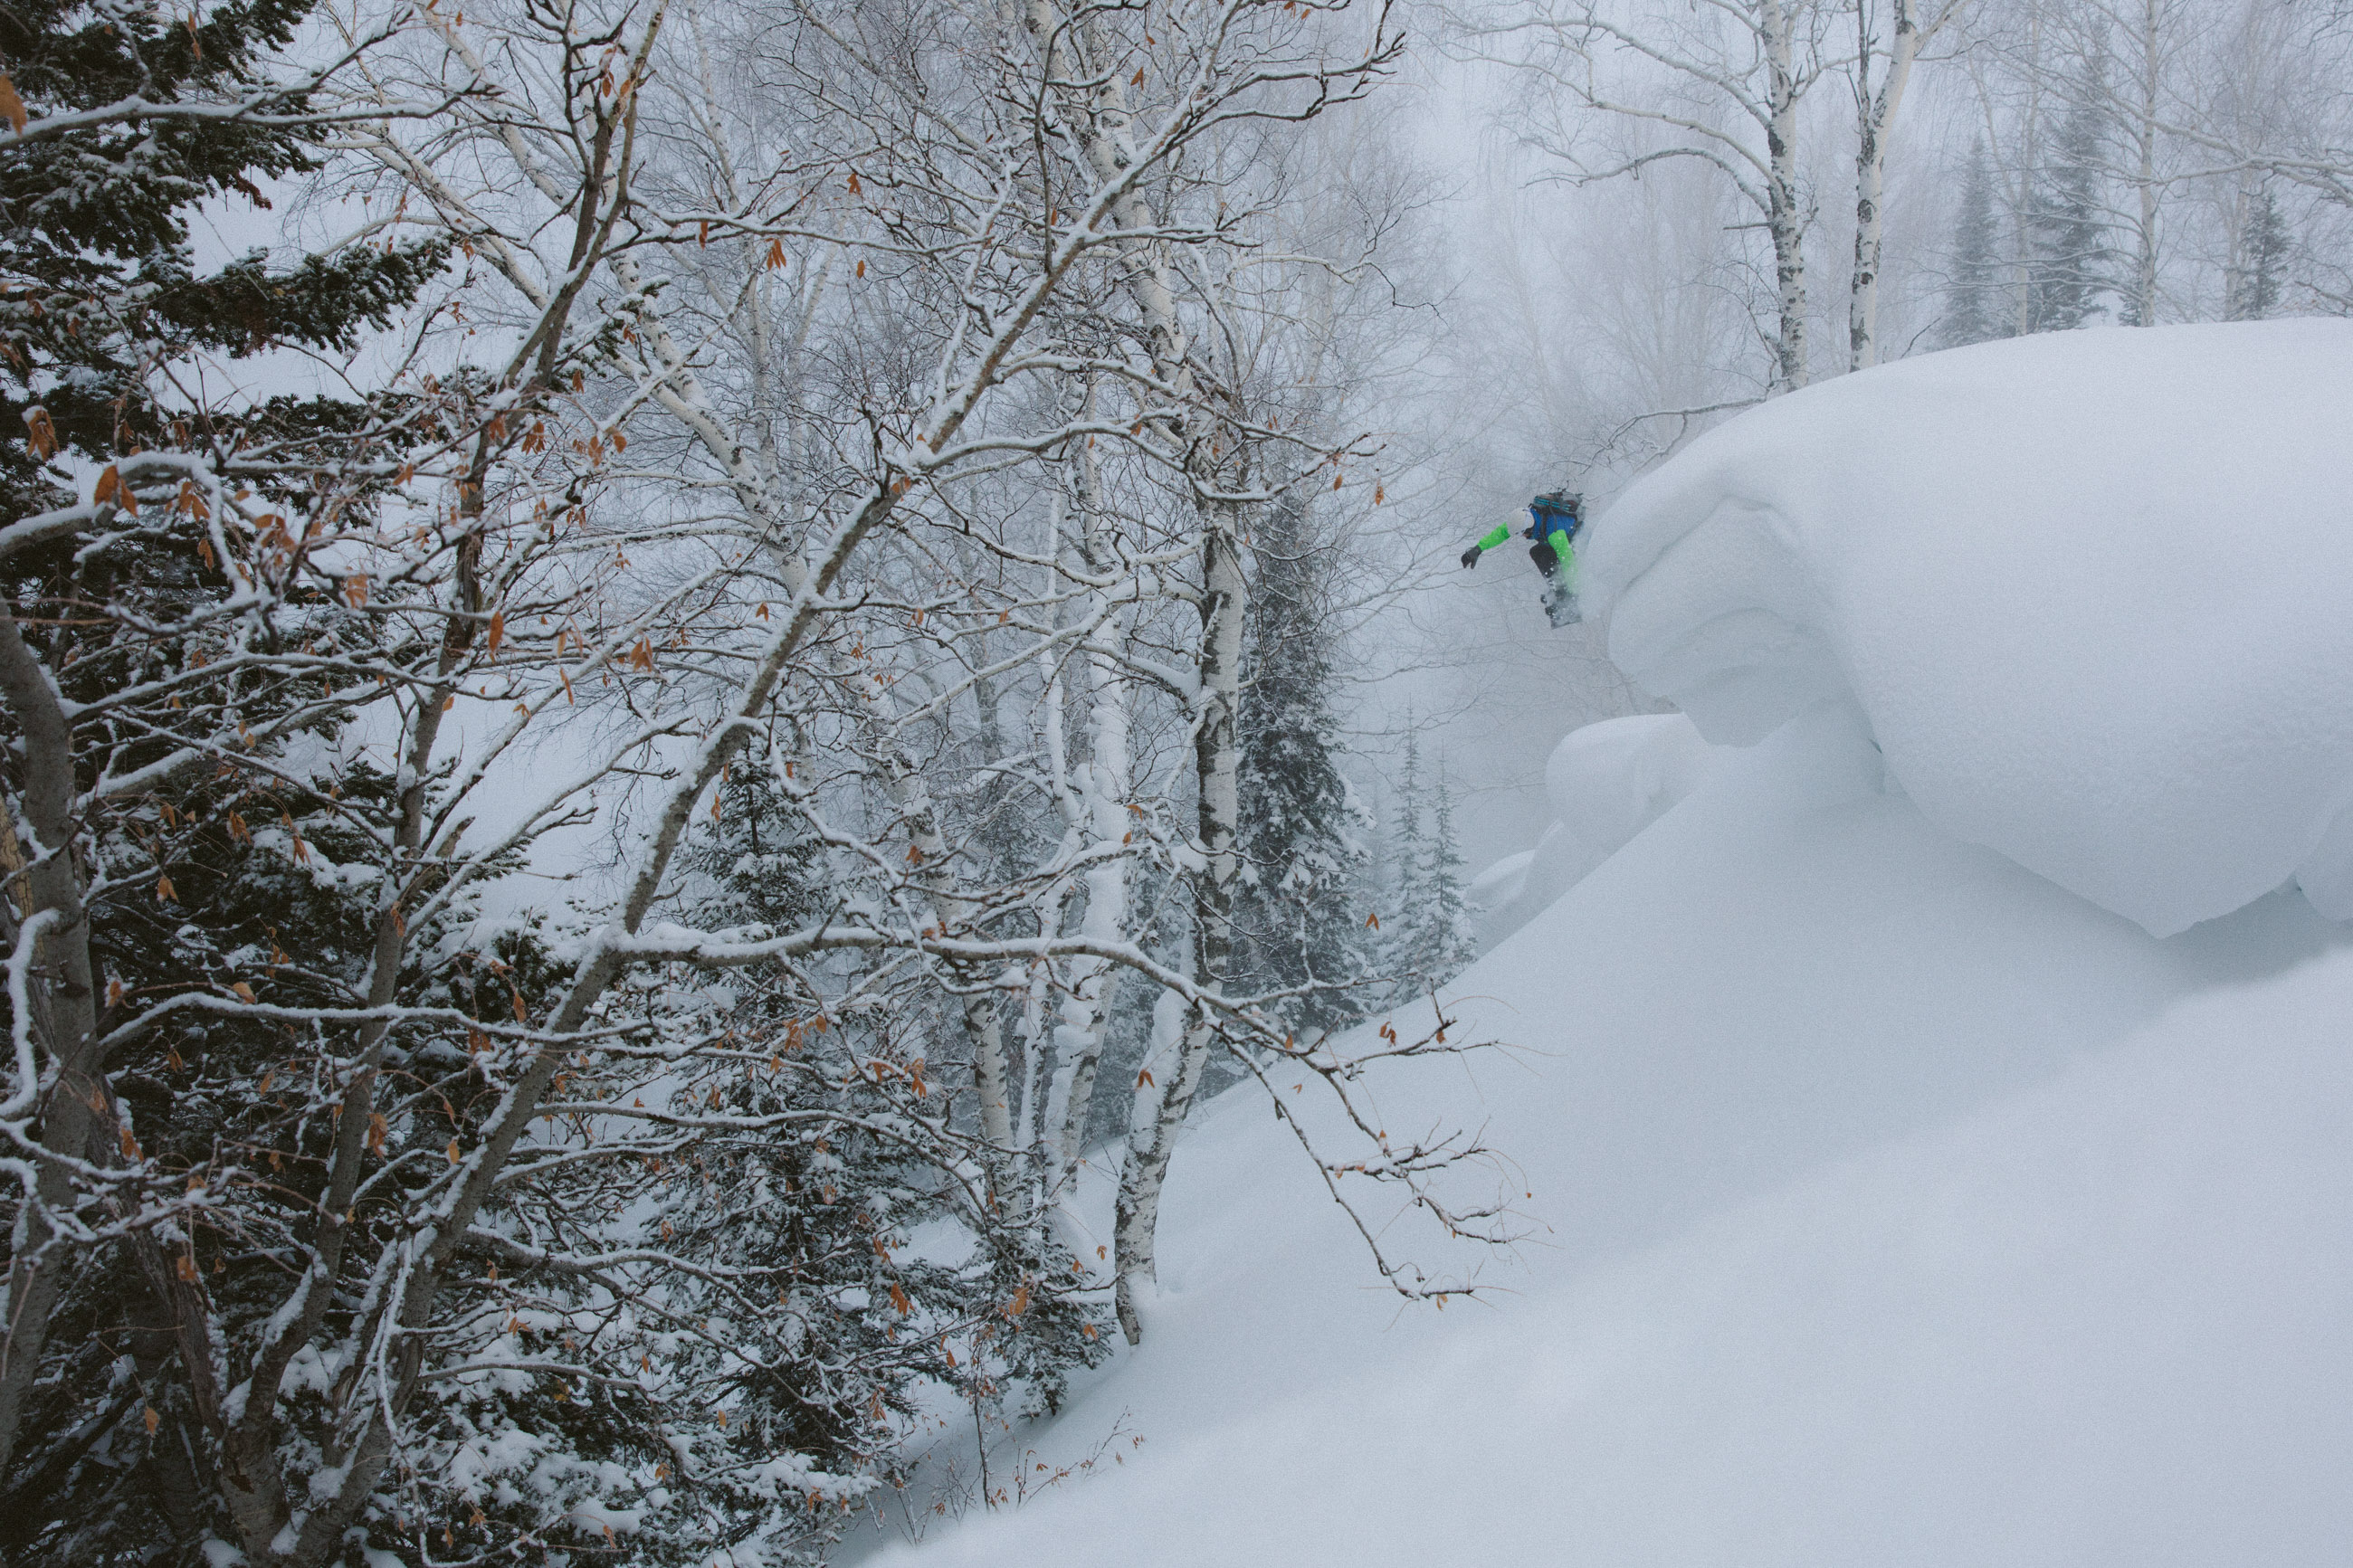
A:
1300	908
1404	893
103	312
209	681
1428	938
1448	943
1976	305
2069	262
801	1219
2255	289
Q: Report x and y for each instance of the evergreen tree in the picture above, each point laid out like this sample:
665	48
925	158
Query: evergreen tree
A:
1404	893
1448	943
799	1218
2254	286
1427	926
1301	904
1977	296
102	310
2068	258
757	862
257	905
222	874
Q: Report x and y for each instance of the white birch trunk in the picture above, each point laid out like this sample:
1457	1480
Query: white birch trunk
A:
992	1076
2144	136
1784	212
1876	119
1101	129
1103	783
1216	756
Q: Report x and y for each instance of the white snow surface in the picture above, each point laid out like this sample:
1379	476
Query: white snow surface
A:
2090	589
1898	1206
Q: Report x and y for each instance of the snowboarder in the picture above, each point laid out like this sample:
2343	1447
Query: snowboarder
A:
1556	520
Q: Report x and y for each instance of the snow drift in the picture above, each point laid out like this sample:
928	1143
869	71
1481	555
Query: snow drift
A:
2094	592
1605	783
1871	1235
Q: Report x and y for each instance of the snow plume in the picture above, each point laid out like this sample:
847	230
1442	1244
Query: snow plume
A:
2088	588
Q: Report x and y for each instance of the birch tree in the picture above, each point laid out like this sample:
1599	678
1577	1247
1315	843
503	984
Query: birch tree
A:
1723	84
781	423
1909	27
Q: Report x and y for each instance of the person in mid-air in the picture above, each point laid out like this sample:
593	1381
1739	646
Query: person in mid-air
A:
1556	521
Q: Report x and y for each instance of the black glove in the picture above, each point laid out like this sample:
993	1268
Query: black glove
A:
1470	556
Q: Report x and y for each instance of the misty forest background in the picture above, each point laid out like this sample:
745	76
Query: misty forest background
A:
678	675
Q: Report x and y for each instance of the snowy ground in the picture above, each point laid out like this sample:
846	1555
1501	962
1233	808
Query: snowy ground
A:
1900	1203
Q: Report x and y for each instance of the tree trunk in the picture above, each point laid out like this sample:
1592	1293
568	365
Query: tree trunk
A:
1101	126
1217	757
1785	214
1876	116
75	1102
2143	307
1103	801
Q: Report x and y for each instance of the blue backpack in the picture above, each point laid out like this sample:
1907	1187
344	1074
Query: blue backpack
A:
1555	512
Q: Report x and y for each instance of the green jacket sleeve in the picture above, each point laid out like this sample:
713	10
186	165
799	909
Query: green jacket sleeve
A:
1502	532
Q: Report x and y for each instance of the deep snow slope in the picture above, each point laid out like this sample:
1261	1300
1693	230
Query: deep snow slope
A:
1868	1242
2089	588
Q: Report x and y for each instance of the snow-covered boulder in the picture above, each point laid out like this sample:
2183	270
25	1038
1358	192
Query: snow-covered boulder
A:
1606	783
2092	592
